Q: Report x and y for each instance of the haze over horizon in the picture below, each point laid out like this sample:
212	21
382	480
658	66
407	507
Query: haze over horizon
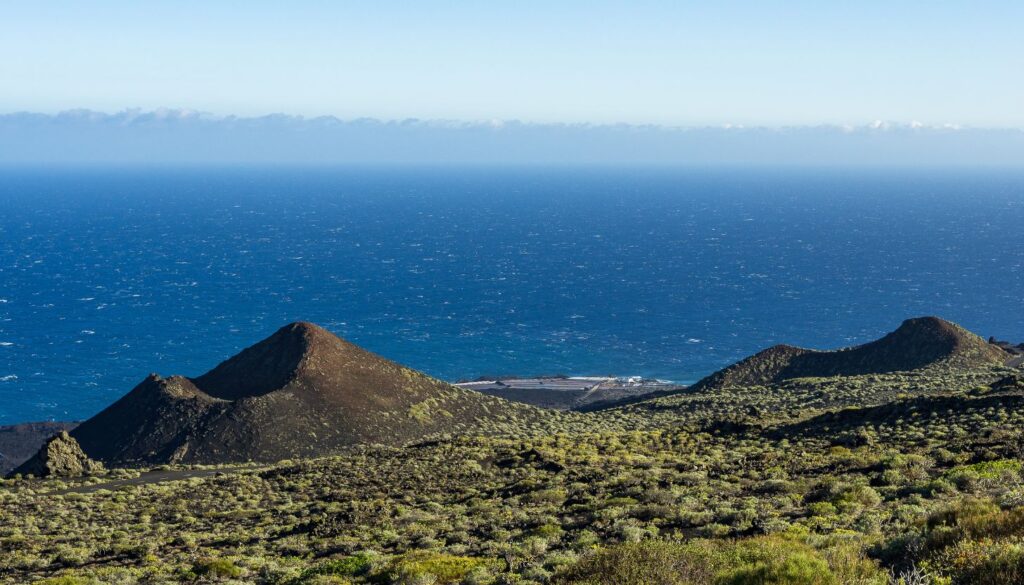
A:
176	137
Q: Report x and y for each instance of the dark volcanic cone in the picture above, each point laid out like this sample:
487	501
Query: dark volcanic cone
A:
916	344
301	392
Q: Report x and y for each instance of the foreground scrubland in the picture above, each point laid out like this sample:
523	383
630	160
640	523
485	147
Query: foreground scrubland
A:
898	478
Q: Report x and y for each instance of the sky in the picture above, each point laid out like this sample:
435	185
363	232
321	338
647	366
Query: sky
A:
673	63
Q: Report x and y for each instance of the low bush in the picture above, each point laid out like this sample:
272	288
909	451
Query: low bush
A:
216	568
766	560
435	568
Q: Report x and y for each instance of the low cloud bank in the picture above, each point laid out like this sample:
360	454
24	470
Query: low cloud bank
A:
187	137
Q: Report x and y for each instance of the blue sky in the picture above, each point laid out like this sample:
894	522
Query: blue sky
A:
675	63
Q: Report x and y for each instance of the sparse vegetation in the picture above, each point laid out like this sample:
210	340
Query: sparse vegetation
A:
901	477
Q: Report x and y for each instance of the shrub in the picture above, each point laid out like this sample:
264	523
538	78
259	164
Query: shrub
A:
982	562
549	531
325	580
350	566
1003	565
66	580
216	568
822	509
764	560
771	560
420	566
857	496
800	568
973	519
652	561
971	477
849	564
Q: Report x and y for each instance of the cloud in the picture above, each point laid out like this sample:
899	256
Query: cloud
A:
179	136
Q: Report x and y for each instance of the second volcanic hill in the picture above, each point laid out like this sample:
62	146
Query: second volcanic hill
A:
301	392
917	343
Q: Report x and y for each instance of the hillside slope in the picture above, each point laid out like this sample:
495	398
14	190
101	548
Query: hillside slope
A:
785	384
301	392
857	478
916	344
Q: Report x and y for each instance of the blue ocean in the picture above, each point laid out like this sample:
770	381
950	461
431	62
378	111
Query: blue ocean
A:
107	275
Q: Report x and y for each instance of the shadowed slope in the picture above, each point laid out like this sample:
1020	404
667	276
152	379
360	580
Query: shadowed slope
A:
267	366
149	423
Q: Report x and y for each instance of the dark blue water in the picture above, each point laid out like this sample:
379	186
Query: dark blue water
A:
108	275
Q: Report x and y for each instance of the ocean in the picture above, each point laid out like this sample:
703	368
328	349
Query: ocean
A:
109	274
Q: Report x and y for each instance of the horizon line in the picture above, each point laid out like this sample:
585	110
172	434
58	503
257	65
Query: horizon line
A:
168	114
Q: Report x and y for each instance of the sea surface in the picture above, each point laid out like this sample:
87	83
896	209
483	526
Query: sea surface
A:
107	275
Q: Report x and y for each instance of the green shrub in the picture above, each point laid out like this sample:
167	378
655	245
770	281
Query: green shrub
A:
822	509
993	469
799	568
325	580
857	496
1005	564
765	560
971	477
351	566
981	562
66	580
773	560
443	568
850	565
549	531
655	562
216	568
973	519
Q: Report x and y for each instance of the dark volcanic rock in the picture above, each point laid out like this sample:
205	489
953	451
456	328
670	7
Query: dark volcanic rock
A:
302	392
1007	346
916	344
61	456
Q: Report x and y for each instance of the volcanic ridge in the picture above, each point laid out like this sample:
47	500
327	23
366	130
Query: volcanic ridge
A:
918	343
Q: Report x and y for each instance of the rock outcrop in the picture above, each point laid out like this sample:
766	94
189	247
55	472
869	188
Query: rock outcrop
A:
61	456
21	441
